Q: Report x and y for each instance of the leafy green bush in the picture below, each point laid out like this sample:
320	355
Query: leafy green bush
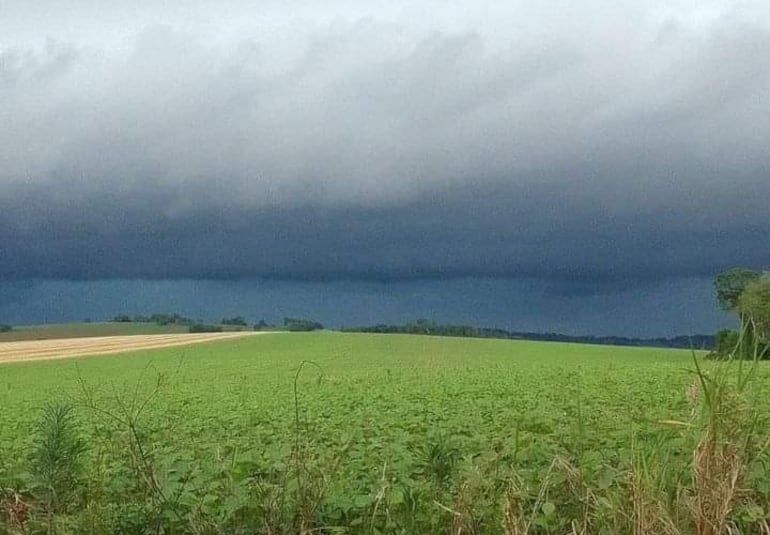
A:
57	457
5	328
725	341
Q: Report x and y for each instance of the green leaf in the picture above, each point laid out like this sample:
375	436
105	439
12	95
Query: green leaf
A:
396	497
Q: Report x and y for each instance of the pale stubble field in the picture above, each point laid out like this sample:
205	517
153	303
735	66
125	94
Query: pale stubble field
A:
29	350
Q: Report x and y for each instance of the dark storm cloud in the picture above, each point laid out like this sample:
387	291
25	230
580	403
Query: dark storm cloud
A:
383	154
475	233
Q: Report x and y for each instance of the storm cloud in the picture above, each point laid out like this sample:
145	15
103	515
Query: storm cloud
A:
609	144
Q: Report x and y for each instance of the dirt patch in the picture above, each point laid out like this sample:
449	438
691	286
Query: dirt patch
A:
104	345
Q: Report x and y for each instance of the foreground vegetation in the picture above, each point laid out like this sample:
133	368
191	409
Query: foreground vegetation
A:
353	433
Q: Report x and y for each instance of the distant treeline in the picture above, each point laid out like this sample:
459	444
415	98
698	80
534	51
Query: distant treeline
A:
299	324
159	318
194	326
422	326
238	322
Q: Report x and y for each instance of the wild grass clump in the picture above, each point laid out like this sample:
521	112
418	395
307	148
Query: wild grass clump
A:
726	437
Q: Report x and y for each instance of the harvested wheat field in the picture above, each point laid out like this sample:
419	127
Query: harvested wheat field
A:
102	345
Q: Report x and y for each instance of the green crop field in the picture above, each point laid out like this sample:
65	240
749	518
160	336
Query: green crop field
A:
375	434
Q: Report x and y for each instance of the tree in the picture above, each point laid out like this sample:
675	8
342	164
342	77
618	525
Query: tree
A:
5	328
754	305
730	284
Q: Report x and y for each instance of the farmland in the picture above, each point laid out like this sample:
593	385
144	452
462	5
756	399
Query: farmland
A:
371	433
57	331
103	345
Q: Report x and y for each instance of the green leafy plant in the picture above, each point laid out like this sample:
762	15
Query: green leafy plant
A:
57	459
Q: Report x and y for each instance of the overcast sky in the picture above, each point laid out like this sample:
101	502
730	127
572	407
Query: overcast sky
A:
575	166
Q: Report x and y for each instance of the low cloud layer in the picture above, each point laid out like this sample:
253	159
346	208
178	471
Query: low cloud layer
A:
654	309
372	148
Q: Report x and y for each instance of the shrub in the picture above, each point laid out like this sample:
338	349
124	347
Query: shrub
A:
5	328
725	341
203	328
57	457
295	324
170	319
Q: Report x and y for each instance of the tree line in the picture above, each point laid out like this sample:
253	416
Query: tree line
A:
160	318
237	322
425	326
743	291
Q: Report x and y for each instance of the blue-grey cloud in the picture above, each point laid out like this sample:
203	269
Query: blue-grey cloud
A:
384	151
